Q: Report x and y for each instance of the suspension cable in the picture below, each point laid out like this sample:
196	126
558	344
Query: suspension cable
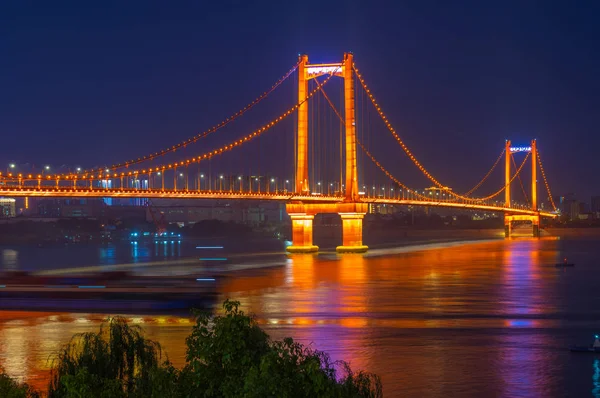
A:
521	182
439	185
546	181
205	133
393	131
498	192
487	175
205	156
387	173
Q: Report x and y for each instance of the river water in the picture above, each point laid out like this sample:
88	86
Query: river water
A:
491	318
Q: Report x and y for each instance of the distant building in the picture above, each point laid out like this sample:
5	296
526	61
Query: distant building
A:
137	184
71	208
246	212
564	203
595	204
381	208
573	210
7	208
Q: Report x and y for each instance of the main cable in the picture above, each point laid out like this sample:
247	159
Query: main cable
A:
205	133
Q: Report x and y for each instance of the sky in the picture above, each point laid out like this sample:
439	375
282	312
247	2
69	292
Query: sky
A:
89	83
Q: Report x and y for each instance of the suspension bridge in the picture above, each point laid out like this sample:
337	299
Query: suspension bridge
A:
345	175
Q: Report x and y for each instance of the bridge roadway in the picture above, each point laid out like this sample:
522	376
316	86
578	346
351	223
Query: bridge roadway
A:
63	192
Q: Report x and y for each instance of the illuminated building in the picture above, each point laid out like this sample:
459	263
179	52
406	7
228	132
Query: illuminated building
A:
136	184
7	208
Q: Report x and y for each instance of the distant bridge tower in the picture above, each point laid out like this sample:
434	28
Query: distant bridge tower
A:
508	217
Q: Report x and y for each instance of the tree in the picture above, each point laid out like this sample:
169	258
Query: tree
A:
116	361
11	389
230	356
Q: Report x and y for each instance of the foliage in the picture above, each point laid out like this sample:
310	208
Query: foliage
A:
222	349
117	361
11	389
230	356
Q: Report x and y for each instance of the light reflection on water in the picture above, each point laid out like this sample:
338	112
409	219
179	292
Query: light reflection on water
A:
596	379
487	319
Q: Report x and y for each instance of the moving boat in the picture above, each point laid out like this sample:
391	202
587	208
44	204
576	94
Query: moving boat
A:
593	348
564	264
106	292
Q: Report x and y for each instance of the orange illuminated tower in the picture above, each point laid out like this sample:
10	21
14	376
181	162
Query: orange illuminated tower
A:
351	171
307	72
352	211
508	216
533	175
508	154
302	139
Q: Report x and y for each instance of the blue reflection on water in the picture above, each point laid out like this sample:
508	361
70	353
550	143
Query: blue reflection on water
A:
596	379
520	323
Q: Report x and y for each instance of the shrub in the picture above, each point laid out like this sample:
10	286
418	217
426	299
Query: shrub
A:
228	355
11	389
116	361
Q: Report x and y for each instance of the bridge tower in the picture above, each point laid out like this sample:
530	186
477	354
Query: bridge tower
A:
508	217
352	211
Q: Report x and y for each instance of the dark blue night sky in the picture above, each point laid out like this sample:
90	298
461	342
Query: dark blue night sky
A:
100	82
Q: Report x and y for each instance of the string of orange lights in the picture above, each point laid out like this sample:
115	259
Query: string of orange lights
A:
105	174
395	135
487	175
498	192
463	197
199	136
387	173
546	181
335	110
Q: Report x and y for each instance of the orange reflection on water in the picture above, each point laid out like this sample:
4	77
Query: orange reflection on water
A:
412	317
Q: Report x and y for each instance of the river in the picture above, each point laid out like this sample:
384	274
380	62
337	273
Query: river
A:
490	318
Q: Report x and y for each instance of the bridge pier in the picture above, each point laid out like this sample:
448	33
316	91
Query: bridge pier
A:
302	215
302	233
352	224
509	218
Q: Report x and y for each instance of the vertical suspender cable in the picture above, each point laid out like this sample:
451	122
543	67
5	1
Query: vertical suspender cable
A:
341	141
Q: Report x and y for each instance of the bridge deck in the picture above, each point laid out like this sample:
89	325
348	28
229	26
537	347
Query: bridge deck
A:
79	192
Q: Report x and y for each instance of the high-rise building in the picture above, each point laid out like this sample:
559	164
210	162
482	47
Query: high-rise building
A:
7	208
574	209
595	204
